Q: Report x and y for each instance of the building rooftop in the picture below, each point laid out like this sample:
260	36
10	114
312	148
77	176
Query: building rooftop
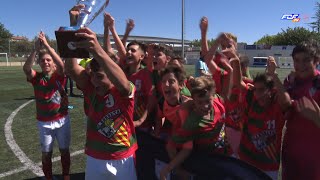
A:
149	39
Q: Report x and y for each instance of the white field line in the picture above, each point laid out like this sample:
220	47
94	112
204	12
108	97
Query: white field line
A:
23	168
27	163
14	171
14	146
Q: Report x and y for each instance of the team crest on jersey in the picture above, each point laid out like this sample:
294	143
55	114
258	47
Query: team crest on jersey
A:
109	101
138	84
56	97
263	139
107	125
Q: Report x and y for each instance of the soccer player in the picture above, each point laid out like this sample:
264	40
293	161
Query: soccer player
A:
235	108
109	97
161	55
51	104
172	79
201	122
300	151
263	119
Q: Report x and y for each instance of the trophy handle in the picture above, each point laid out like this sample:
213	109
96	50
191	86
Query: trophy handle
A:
98	12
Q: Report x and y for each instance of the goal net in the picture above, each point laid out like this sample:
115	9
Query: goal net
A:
4	58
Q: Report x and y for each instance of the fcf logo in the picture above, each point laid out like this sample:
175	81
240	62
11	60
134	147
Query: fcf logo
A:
293	17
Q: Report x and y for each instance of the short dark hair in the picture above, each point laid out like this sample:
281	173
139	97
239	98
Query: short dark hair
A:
141	45
163	48
94	65
265	79
178	73
310	47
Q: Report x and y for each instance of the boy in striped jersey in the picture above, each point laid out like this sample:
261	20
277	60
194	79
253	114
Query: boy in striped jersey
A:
51	104
201	121
131	59
109	103
172	78
263	120
300	150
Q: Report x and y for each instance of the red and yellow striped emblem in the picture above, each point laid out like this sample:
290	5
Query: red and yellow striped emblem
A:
122	136
270	152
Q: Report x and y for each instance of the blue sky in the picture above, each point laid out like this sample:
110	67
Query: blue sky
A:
248	19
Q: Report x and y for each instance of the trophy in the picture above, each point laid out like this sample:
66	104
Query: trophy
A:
66	35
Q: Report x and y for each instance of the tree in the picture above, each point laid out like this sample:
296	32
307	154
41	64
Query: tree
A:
52	42
266	39
197	42
5	36
22	47
290	36
316	24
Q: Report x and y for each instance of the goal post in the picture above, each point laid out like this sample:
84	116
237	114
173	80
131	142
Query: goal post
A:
6	55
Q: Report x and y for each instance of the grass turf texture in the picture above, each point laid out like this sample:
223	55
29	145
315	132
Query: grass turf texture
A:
15	91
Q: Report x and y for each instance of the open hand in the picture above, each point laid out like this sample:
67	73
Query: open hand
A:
230	52
43	39
204	24
309	109
130	25
271	65
108	20
90	43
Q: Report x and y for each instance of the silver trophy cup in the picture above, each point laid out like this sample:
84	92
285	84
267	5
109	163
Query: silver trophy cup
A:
66	35
91	10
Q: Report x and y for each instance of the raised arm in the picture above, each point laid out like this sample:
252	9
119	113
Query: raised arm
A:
234	61
129	27
283	97
120	47
113	71
228	65
27	67
56	58
204	40
210	55
106	38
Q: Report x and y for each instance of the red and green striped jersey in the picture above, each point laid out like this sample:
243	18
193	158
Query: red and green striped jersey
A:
51	99
219	74
110	129
143	83
235	108
301	147
218	78
169	113
207	134
261	134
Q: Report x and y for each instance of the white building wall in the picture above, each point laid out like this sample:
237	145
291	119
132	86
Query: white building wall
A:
263	51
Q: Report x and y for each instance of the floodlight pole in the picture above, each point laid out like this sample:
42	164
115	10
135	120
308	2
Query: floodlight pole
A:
9	48
182	33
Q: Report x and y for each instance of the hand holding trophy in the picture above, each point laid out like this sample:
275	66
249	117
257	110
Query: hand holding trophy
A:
81	15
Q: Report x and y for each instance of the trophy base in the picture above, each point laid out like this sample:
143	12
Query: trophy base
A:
66	47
